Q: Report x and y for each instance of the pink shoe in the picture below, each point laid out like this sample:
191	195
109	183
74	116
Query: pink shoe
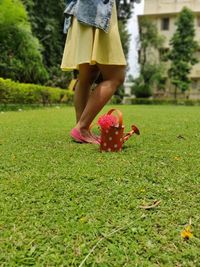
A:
76	136
96	137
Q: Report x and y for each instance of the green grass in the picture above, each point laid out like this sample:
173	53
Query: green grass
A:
59	198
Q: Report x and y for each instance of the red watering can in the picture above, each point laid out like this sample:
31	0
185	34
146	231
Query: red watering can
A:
112	131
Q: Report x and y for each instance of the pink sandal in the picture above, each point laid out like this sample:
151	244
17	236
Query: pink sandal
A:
76	136
96	137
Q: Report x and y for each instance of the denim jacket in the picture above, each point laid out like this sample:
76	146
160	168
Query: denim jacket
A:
95	13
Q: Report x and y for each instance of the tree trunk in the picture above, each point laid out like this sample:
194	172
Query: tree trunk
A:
145	57
175	92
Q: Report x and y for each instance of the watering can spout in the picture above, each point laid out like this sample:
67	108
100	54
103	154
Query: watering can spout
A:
134	130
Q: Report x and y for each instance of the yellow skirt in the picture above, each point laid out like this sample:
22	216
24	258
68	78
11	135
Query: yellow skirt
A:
86	44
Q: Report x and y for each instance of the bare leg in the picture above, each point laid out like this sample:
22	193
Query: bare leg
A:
113	77
86	78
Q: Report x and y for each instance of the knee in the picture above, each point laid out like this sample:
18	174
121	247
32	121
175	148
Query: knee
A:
119	80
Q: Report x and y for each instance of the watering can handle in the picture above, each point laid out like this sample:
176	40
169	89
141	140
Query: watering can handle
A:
119	115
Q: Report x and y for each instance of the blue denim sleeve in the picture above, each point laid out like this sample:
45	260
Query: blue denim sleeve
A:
67	24
68	18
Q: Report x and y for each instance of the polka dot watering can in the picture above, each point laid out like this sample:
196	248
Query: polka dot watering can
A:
112	131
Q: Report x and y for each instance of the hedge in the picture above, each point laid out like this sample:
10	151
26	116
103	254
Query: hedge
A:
20	93
156	101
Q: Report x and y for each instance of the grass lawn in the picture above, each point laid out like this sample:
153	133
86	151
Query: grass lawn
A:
63	203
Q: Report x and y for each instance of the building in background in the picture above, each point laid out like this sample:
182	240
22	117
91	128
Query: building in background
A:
164	14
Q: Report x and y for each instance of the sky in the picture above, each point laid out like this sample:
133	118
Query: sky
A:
133	30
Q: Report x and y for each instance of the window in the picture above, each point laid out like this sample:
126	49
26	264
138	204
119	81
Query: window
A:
195	84
165	24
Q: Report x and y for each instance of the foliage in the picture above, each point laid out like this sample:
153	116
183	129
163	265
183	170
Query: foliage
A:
149	41
157	101
117	98
46	19
20	52
47	23
183	51
140	89
125	9
16	15
151	73
19	93
59	78
55	206
150	77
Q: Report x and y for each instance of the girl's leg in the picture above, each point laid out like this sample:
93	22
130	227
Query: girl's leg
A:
113	77
87	76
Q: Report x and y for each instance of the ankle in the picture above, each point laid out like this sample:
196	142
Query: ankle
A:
80	127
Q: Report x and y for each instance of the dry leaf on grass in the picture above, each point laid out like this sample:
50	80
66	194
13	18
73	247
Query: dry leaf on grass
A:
152	205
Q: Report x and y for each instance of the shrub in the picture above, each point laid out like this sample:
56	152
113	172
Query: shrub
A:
20	93
115	100
142	90
151	76
20	51
157	101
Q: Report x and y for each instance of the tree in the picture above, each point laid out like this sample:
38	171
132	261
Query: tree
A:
20	52
150	76
151	71
150	40
47	20
125	8
182	53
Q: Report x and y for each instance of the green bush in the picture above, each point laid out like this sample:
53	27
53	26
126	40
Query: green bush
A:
157	101
20	93
115	100
20	52
142	90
